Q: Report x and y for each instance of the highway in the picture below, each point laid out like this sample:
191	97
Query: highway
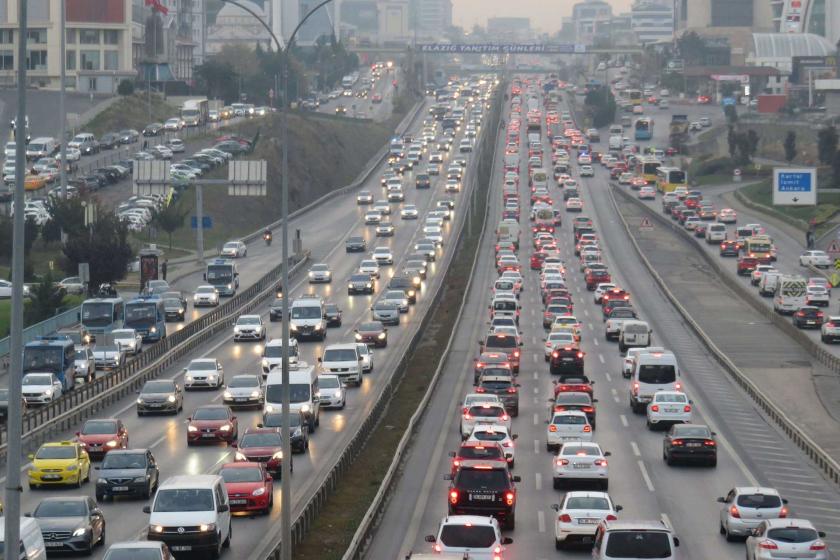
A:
750	451
327	227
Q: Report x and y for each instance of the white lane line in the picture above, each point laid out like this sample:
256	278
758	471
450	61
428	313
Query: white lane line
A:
586	312
541	521
591	328
536	447
601	358
595	340
536	358
667	521
536	390
533	340
536	375
536	400
608	376
645	475
633	445
536	419
624	421
538	481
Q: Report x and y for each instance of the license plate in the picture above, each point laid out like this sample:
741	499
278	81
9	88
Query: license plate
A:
481	497
568	359
672	410
120	489
241	399
588	521
49	544
238	502
181	548
208	435
810	322
581	465
154	405
692	445
51	477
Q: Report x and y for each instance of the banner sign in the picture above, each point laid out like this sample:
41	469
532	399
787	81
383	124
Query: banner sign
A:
501	48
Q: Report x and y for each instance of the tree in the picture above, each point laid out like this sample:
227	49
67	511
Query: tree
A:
731	114
600	106
65	215
126	87
790	146
827	145
44	300
692	49
744	148
732	140
752	141
835	168
105	248
169	219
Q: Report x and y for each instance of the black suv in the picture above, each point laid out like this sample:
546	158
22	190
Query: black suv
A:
486	490
423	181
360	284
120	471
499	381
355	244
332	314
566	360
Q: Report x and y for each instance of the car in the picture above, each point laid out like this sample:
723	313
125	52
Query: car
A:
568	425
818	296
332	392
249	327
808	317
727	216
398	298
830	330
360	283
647	193
574	205
160	395
786	538
705	122
746	507
206	295
383	255
372	333
668	408
173	124
647	539
320	273
212	423
586	171
383	207
70	523
473	536
373	217
581	461
473	453
128	340
498	433
234	249
566	359
575	397
41	388
100	436
487	489
364	197
355	244
332	315
265	446
59	464
500	382
249	486
409	212
385	229
72	285
579	515
127	472
818	259
690	443
153	129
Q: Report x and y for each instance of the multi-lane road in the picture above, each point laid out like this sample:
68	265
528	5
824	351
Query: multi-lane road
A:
751	452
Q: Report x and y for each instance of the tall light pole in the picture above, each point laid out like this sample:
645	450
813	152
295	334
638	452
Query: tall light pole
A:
15	423
62	55
286	473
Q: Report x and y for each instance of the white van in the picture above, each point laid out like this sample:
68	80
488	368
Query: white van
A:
185	503
633	334
303	388
344	361
272	356
617	130
307	318
790	294
715	233
616	142
41	147
653	371
767	284
539	178
31	541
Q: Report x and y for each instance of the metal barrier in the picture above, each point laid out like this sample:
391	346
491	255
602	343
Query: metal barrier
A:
828	465
316	502
47	326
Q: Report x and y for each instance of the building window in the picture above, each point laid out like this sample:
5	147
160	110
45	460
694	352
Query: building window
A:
111	37
89	60
91	84
7	36
36	60
89	36
7	60
36	36
112	60
70	60
70	37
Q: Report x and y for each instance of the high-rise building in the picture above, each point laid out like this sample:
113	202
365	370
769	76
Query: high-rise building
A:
588	17
820	17
324	22
98	44
701	14
431	18
652	20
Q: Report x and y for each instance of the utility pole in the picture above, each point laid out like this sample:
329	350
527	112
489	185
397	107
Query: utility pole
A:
62	49
199	218
15	422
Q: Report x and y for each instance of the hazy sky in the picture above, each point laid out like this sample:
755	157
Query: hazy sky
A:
545	14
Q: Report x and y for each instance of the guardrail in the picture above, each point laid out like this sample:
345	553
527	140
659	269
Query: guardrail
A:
310	510
827	464
47	326
366	528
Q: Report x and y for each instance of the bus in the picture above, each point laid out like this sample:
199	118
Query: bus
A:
633	96
647	167
222	274
643	128
102	315
52	355
147	316
669	178
759	247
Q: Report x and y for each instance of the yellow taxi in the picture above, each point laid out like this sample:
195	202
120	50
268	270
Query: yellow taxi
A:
34	182
60	463
567	323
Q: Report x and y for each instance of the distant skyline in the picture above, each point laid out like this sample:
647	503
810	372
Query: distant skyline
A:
546	15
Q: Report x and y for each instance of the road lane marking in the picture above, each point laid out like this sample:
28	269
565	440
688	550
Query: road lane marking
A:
536	359
646	476
608	376
595	340
536	419
601	358
586	312
536	390
536	447
667	521
591	328
538	481
624	420
536	375
541	521
633	445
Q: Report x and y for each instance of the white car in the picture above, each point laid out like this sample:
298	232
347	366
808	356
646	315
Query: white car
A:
234	249
409	212
556	339
580	514
567	425
434	233
383	255
483	413
469	536
320	273
647	193
129	340
176	145
373	217
586	171
383	207
786	538
496	433
830	330
173	124
367	356
476	398
85	363
819	259
206	295
369	266
584	159
398	298
601	289
745	507
244	390
581	461
331	391
204	372
818	296
668	407
72	285
40	388
249	327
385	229
364	197
453	186
574	205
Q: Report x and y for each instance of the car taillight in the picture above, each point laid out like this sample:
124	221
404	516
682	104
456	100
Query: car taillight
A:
516	354
511	389
438	548
552	428
453	496
687	408
709	443
505	417
768	545
467	416
561	462
587	429
677	442
565	518
818	545
456	463
611	517
783	512
601	462
800	313
733	511
654	408
587	409
479	389
635	388
678	386
509	497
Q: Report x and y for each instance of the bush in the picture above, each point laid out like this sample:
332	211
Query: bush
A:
714	166
125	87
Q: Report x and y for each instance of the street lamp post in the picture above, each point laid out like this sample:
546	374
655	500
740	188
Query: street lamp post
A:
286	474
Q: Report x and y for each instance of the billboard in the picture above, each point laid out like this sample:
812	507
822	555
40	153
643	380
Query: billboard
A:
96	11
794	186
501	48
821	67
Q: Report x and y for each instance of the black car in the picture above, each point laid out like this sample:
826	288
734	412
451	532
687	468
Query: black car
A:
808	317
111	175
70	523
153	129
404	282
202	166
275	312
568	400
360	284
127	472
332	314
485	490
570	192
690	442
566	360
502	384
174	309
423	181
231	146
128	136
299	432
729	248
355	244
109	141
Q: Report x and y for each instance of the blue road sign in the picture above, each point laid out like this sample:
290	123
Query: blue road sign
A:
728	101
206	222
797	187
795	181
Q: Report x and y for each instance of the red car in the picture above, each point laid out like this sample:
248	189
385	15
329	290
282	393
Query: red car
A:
595	277
262	445
249	487
537	260
704	99
376	98
212	423
746	265
473	453
99	437
573	384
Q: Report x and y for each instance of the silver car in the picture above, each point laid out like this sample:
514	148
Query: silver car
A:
331	392
745	507
398	298
387	312
367	357
786	538
244	390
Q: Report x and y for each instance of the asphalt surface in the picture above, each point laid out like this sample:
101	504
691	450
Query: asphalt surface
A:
750	451
166	436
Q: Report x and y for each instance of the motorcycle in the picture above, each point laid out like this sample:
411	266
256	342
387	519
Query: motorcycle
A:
267	237
106	291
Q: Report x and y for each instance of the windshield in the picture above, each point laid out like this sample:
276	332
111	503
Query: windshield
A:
638	544
693	431
481	479
99	427
481	452
186	499
468	536
275	420
340	355
219	273
759	501
500	341
569	419
248	321
33	380
56	452
261	440
299	393
61	508
124	461
657	373
213	413
43	358
306	312
329	383
242	474
487	412
276	351
158	387
792	535
587	503
97	314
139	314
243	381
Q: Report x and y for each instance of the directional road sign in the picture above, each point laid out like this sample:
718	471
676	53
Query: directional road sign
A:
794	187
206	222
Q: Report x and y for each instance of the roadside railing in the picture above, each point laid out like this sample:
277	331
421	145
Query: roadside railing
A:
47	326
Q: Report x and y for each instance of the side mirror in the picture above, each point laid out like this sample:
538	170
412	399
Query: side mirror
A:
447	477
430	538
514	436
517	478
204	276
722	500
147	509
607	453
223	508
260	426
555	507
507	540
320	359
594	400
618	508
521	343
784	500
189	418
78	433
821	534
268	478
233	417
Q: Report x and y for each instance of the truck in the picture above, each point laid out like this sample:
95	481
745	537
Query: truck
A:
678	131
194	112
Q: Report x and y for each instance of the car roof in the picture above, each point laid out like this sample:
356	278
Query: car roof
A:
471	519
756	490
788	522
643	525
190	481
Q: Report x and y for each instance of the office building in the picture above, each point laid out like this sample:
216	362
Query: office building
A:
757	15
589	17
235	26
652	20
431	17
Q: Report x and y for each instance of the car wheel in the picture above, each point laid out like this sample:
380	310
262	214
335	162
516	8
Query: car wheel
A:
559	545
729	536
226	544
101	541
669	460
558	483
713	462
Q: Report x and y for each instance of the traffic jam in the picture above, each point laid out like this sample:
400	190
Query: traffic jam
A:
553	283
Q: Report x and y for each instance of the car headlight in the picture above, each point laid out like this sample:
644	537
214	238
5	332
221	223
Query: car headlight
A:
349	286
368	285
381	336
153	330
211	377
139	401
258	492
171	398
72	468
305	408
225	428
111	443
227	395
358	336
240	456
188	378
140	479
80	531
156	528
229	286
236	329
195	297
192	429
48	392
278	456
180	310
292	327
255	394
207	527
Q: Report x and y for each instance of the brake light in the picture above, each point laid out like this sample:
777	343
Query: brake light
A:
505	417
552	428
783	512
453	496
709	443
677	442
601	462
511	389
768	545
818	545
467	416
654	408
580	354
678	386
611	517
588	409
509	497
687	408
635	388
587	429
479	389
438	548
733	511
